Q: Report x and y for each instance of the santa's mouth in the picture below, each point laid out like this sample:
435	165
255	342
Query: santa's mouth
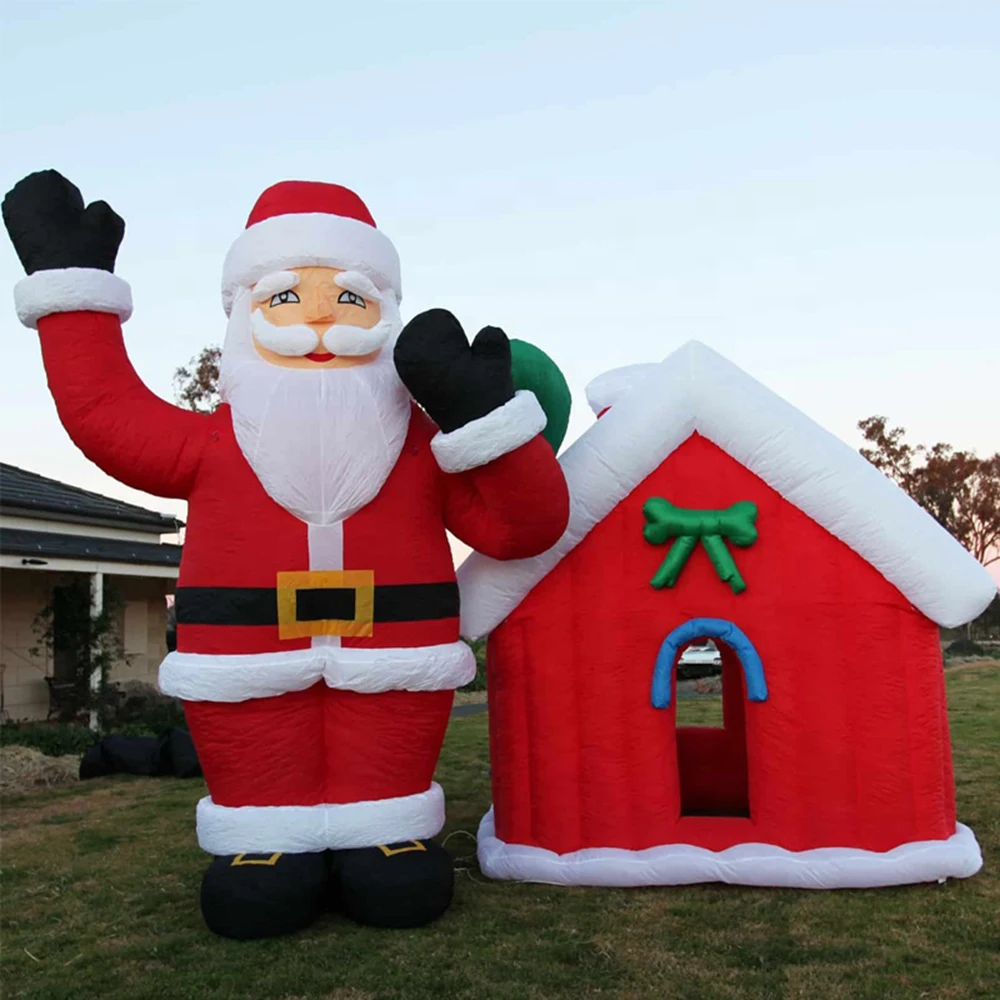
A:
319	357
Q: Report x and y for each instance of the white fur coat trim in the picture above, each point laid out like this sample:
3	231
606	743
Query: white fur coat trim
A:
501	431
71	289
239	677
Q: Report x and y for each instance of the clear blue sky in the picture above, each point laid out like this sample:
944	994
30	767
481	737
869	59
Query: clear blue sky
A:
812	189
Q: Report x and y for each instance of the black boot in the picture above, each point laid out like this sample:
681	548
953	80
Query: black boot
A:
250	896
394	885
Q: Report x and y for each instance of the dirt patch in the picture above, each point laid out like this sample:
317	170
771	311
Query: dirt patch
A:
26	813
345	994
470	697
953	664
23	769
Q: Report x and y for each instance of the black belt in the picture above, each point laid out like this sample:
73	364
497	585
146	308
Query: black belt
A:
400	602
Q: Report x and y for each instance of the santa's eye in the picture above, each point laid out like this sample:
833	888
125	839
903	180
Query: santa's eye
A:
283	298
352	300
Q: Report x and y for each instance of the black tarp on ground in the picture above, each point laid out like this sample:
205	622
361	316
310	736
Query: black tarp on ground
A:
172	753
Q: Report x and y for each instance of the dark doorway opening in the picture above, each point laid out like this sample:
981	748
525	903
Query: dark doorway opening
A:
712	759
67	602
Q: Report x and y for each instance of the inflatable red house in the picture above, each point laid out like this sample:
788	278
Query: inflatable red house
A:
704	506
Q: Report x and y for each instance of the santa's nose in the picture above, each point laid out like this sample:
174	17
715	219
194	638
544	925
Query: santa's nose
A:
320	325
318	311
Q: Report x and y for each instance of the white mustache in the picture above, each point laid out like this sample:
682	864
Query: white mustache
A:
340	338
291	341
355	341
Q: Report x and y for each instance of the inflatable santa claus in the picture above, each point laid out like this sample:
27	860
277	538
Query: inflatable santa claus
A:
317	609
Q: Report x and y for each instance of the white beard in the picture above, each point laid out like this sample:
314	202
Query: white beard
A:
322	442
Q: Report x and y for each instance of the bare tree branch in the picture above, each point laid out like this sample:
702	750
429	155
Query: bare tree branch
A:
960	491
196	385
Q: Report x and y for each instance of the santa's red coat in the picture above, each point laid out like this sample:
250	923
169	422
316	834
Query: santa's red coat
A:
348	692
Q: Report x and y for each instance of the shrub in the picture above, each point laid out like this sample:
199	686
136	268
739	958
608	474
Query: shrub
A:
478	683
51	740
143	710
90	644
964	647
696	671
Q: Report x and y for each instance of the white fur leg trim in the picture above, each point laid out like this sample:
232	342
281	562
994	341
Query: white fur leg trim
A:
299	829
71	289
499	432
217	677
745	864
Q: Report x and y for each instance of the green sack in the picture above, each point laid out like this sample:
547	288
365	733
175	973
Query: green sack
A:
533	369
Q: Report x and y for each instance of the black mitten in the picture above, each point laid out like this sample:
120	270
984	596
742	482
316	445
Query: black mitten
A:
50	227
453	382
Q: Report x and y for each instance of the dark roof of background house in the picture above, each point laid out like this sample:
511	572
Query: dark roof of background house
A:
29	494
48	544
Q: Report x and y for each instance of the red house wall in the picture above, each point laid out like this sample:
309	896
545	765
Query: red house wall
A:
851	747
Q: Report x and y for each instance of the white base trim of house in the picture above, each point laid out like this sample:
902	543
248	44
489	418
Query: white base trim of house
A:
226	830
239	677
745	864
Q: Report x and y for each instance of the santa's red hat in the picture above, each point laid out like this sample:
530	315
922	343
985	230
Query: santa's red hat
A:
307	223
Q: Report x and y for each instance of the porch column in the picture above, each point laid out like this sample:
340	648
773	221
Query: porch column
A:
96	607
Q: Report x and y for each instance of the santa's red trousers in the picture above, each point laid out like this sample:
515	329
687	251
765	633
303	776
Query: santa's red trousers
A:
320	745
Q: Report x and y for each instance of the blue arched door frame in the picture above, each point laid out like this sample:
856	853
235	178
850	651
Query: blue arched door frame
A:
708	628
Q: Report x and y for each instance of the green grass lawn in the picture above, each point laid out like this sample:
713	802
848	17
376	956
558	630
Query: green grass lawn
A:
100	885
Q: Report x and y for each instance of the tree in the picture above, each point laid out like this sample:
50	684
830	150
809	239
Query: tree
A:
196	385
989	620
960	491
80	644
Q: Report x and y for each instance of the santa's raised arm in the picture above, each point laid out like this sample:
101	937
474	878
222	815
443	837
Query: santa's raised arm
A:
317	609
77	304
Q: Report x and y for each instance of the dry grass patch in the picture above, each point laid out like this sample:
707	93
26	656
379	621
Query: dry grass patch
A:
470	698
348	994
24	769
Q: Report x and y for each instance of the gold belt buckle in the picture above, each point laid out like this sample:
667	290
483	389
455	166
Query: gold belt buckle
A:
361	581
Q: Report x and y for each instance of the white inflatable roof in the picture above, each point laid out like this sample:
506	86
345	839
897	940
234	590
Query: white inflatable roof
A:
696	389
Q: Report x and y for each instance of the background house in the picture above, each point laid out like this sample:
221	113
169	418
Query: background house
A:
50	534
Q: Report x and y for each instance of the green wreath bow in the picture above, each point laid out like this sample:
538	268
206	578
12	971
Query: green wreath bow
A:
690	526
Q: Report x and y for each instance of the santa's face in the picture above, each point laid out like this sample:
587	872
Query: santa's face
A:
310	316
317	407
